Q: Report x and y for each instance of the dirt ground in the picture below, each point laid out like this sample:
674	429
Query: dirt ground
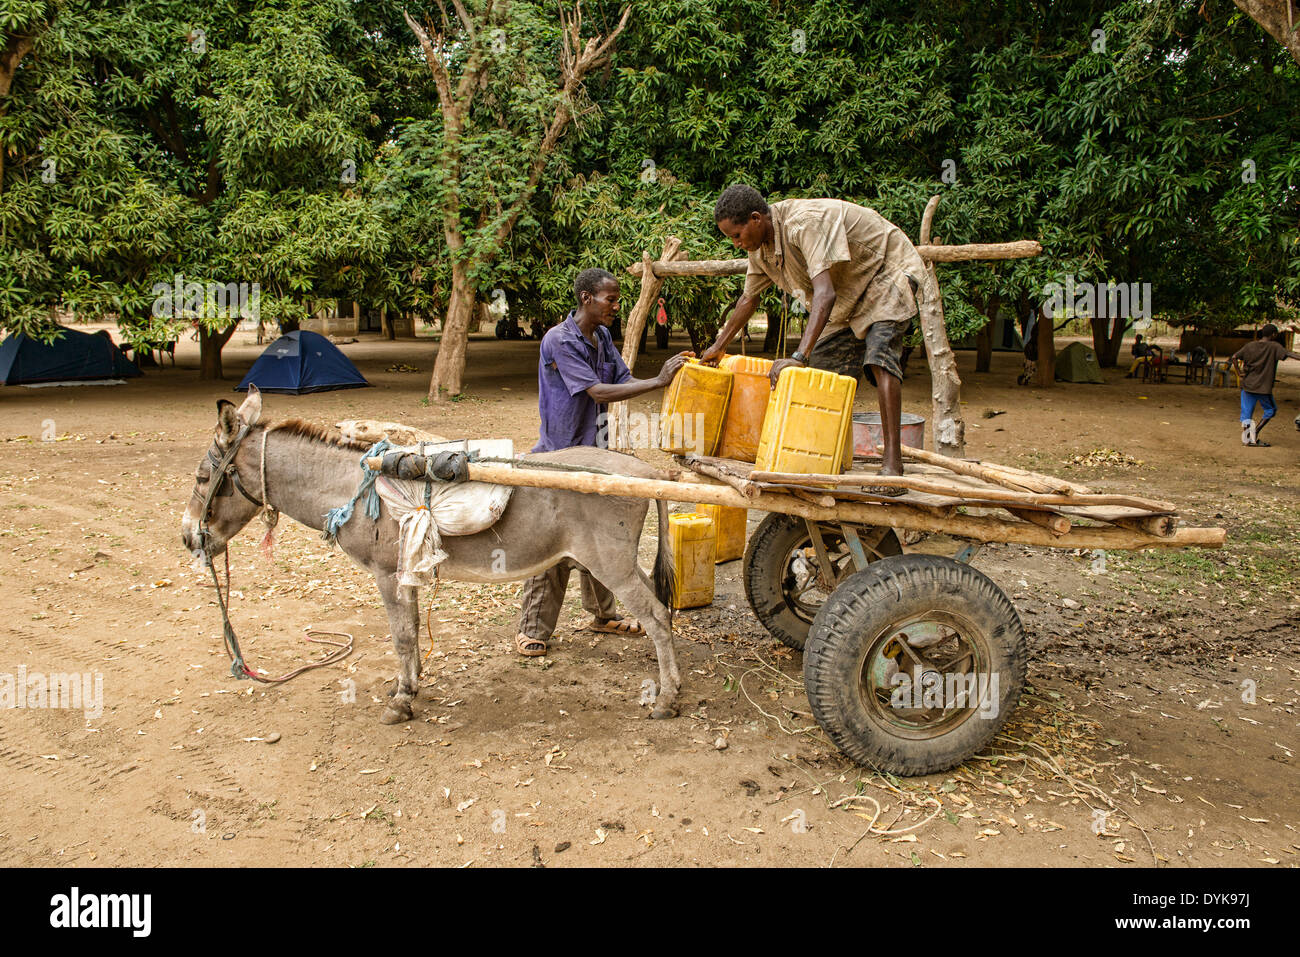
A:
1138	742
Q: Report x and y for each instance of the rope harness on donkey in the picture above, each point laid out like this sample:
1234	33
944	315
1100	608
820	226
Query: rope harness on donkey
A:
224	470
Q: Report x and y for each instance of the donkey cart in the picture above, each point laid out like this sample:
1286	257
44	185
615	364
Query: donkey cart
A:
911	661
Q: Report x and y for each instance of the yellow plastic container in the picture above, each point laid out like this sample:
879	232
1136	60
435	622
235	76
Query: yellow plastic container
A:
694	547
729	530
809	423
694	409
750	391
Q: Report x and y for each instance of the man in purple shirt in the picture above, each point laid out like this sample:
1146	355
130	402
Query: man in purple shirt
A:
578	374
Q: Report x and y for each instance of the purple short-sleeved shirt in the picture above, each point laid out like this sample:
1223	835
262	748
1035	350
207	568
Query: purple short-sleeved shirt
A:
569	365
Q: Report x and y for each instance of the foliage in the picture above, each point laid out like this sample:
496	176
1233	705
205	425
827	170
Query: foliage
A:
1161	149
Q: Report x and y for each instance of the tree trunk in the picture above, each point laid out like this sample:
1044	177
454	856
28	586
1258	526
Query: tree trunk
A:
1116	343
210	345
1100	338
11	55
1277	17
1046	352
385	326
947	427
449	368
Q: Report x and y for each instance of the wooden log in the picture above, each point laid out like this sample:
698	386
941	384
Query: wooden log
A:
742	485
936	486
808	495
1023	483
1161	526
1014	471
1017	249
966	252
895	516
694	267
947	427
1056	524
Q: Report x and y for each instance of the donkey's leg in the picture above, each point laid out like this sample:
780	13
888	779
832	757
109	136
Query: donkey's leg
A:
634	590
402	605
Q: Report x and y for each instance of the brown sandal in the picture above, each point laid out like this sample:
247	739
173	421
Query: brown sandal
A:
889	491
529	647
616	626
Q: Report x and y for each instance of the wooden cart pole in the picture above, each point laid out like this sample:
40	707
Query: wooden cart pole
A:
636	320
947	428
980	528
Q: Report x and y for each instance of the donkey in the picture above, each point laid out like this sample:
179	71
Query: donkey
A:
306	471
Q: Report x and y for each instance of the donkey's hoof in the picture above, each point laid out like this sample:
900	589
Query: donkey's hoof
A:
394	714
661	712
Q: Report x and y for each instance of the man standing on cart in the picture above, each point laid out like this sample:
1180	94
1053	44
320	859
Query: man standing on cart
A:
579	371
857	273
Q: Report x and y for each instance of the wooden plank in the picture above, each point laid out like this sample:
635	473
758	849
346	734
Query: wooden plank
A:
946	487
931	252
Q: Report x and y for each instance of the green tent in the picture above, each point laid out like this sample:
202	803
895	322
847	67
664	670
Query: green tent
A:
1077	363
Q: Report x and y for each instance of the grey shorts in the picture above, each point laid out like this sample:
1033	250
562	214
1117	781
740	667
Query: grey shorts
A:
845	354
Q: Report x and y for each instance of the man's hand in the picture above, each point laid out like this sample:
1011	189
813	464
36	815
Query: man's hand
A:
713	353
670	368
781	364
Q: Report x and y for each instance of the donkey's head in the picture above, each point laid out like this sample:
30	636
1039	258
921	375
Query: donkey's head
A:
227	490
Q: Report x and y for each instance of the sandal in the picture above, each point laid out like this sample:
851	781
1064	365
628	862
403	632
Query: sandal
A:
887	490
616	626
529	647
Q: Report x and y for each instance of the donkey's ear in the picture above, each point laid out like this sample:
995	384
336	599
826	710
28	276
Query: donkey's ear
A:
227	422
251	411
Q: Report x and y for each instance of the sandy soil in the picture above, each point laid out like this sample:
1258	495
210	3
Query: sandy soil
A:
1136	719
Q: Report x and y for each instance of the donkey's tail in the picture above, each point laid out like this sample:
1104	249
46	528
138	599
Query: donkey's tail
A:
665	583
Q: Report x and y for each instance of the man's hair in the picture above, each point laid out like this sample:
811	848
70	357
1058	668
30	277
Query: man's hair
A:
1268	332
1139	337
737	203
589	280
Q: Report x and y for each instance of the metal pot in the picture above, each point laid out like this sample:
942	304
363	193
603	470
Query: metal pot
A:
867	435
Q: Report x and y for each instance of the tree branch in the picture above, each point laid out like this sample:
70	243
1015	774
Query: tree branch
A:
1278	19
593	56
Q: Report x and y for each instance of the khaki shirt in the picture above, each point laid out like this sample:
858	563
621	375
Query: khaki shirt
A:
869	259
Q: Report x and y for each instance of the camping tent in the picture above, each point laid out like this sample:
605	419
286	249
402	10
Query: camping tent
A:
1077	363
301	362
75	358
1006	337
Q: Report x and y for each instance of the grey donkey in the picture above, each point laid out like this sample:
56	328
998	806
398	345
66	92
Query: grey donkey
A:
307	471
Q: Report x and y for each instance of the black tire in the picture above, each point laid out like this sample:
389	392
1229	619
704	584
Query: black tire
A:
784	606
857	634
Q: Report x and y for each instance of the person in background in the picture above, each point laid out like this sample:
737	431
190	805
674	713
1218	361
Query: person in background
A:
661	325
1257	363
1030	338
1143	353
578	373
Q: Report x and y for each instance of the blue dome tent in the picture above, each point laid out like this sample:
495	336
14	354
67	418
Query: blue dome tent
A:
300	362
75	358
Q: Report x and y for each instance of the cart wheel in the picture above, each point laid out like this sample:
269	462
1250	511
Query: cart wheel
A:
914	664
781	572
